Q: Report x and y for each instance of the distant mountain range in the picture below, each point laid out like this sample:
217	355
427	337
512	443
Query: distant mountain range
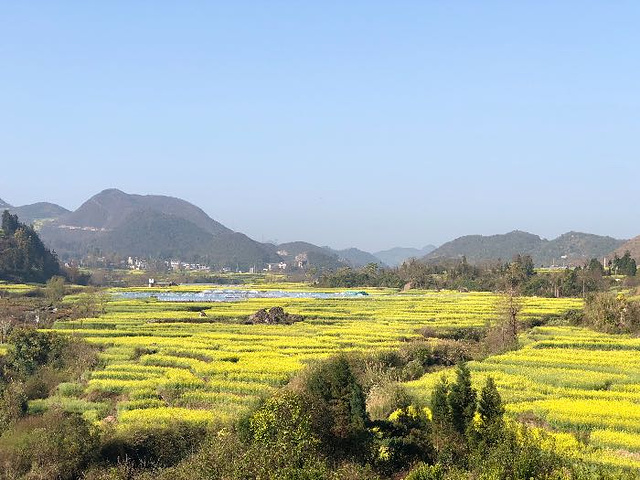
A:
152	226
398	255
575	247
156	226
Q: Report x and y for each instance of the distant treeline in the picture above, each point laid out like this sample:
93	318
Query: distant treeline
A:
461	275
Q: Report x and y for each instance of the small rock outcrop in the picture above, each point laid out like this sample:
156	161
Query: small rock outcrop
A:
273	316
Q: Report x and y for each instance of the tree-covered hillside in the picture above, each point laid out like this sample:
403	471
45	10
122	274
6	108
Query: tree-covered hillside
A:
30	214
572	248
23	256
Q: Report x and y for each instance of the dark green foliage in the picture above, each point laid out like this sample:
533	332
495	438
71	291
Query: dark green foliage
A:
32	349
462	400
157	447
339	408
612	313
595	266
36	363
283	426
403	440
453	407
490	404
54	446
225	456
624	265
516	454
54	290
23	256
449	445
13	403
525	264
276	441
10	223
490	430
490	450
460	275
428	472
440	411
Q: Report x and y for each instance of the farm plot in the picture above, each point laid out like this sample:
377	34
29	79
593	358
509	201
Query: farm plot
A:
164	361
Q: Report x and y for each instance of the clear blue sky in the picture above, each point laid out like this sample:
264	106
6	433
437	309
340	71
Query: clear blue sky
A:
346	123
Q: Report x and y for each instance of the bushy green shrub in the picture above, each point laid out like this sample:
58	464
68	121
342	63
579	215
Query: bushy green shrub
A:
56	445
13	404
427	472
402	440
156	447
612	313
284	421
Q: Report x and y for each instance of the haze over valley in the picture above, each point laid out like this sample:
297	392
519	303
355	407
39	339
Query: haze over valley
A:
162	227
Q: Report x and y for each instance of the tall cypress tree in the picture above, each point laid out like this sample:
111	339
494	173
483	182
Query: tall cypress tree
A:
440	412
490	404
462	400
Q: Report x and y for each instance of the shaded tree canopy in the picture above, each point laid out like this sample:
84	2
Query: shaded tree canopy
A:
23	256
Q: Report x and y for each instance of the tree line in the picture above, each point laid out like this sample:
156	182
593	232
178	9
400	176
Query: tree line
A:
461	275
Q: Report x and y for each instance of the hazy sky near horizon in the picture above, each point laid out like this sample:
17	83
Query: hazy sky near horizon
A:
361	123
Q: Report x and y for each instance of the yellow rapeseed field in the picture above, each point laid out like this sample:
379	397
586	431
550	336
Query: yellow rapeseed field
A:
160	356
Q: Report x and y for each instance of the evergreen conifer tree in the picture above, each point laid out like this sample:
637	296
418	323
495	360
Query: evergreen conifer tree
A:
462	400
490	404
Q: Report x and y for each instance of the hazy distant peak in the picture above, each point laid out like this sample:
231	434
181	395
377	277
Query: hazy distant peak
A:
154	226
4	204
112	191
110	208
398	255
576	247
355	257
34	212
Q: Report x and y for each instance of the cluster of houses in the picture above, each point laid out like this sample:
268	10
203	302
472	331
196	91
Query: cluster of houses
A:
300	261
179	265
135	263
